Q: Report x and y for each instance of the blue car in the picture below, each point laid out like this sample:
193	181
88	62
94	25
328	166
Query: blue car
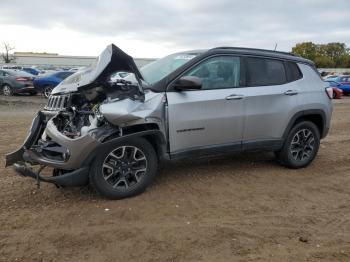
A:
30	70
45	83
344	82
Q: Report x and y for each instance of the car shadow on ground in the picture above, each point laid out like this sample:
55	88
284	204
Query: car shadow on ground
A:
179	170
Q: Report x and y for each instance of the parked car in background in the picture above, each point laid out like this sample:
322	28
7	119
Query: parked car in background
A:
337	91
31	70
344	82
330	77
28	69
13	67
15	82
45	83
47	72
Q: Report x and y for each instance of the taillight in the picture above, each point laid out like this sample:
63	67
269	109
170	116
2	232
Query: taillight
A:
329	92
21	79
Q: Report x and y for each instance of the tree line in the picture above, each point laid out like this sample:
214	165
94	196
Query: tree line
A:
331	55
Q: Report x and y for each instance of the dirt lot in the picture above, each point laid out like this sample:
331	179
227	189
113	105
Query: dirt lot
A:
232	208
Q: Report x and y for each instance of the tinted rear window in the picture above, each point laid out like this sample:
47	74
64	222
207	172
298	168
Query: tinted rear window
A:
293	71
264	72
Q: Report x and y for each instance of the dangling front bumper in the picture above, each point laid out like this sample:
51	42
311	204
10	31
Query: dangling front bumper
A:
57	151
74	152
33	134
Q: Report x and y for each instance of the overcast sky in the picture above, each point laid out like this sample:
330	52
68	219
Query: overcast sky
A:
154	28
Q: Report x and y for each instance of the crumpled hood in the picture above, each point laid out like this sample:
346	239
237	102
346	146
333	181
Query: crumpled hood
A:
111	60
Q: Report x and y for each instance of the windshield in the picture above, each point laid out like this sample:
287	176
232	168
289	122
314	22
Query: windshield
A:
155	71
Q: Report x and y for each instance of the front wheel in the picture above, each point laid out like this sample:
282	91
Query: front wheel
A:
47	91
7	90
300	146
124	169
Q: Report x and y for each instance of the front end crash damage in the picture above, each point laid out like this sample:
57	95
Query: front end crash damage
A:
75	125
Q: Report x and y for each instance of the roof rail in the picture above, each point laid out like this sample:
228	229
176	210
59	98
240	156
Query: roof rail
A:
254	49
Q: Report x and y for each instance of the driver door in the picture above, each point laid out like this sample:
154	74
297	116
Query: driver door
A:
210	118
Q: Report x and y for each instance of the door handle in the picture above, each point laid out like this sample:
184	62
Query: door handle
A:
291	92
234	97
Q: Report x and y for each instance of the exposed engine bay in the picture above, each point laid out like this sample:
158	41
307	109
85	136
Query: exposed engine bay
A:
81	114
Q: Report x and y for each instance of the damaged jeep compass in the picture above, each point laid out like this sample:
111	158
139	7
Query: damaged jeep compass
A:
112	134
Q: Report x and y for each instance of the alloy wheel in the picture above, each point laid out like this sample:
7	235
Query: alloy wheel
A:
6	90
47	91
124	167
302	145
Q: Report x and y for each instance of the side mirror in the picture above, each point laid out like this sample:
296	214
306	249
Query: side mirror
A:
188	83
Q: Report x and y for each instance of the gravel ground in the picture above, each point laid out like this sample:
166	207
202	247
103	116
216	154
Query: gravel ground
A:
232	208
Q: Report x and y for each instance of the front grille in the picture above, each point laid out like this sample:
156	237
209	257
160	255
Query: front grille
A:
57	102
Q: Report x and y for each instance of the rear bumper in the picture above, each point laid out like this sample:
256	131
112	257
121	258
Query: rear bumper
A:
25	89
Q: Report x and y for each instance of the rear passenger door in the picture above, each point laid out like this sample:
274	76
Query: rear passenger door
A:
271	98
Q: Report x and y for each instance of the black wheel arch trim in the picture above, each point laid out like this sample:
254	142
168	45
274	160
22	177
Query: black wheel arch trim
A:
305	113
160	144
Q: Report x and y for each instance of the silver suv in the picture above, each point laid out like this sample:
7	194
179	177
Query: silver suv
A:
112	134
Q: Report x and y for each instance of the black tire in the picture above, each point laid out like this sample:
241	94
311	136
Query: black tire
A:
7	90
296	151
47	91
106	172
334	95
33	93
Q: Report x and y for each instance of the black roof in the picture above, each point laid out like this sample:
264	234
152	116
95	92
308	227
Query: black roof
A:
261	52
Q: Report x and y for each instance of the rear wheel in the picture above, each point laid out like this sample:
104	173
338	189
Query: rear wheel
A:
7	90
33	93
47	91
124	169
300	146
